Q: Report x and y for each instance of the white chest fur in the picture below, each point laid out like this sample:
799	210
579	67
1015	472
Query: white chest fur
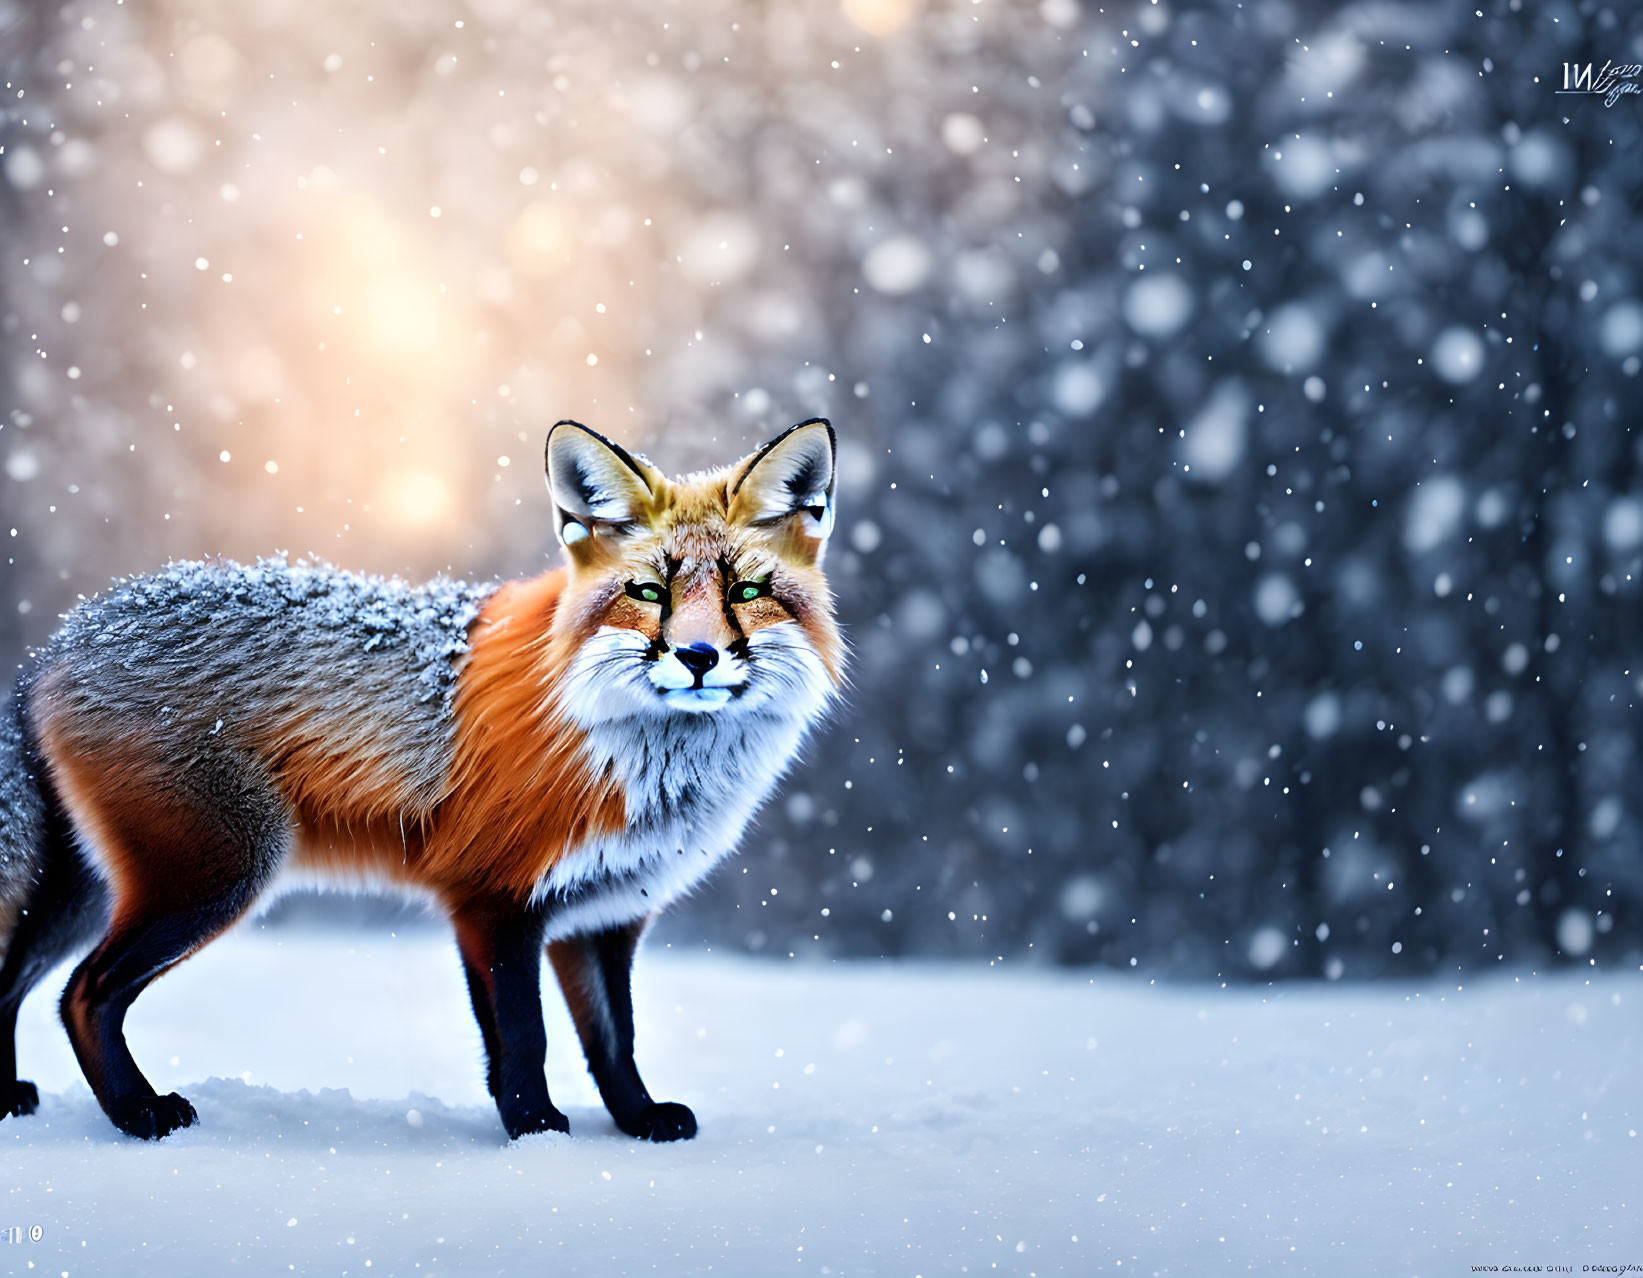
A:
691	782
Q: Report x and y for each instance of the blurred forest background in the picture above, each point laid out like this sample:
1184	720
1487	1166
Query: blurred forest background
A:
1241	510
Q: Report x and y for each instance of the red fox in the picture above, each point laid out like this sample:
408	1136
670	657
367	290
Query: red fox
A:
552	760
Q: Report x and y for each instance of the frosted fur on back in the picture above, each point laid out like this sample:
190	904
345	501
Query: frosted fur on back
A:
340	682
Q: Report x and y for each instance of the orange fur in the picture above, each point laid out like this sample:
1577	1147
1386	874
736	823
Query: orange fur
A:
520	794
161	845
381	850
92	794
331	782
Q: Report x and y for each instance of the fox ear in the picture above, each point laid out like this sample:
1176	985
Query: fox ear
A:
788	485
598	487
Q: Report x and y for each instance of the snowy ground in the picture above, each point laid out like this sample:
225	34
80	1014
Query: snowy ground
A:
905	1119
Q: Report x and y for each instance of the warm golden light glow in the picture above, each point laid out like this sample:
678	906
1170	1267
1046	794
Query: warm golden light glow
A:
540	239
401	316
415	499
880	17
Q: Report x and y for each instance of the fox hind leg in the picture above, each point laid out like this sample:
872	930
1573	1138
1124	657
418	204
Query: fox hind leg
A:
186	857
595	973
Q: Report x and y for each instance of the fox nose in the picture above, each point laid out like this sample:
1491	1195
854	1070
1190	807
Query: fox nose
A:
698	658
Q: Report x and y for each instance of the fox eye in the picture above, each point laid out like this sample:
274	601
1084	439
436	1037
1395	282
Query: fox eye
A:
747	591
648	591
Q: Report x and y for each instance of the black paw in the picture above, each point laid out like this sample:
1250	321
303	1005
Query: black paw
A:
18	1097
151	1117
547	1120
662	1120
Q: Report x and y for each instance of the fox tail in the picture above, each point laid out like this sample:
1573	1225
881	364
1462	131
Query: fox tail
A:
23	817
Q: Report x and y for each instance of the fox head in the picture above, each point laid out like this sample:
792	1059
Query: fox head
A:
701	595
